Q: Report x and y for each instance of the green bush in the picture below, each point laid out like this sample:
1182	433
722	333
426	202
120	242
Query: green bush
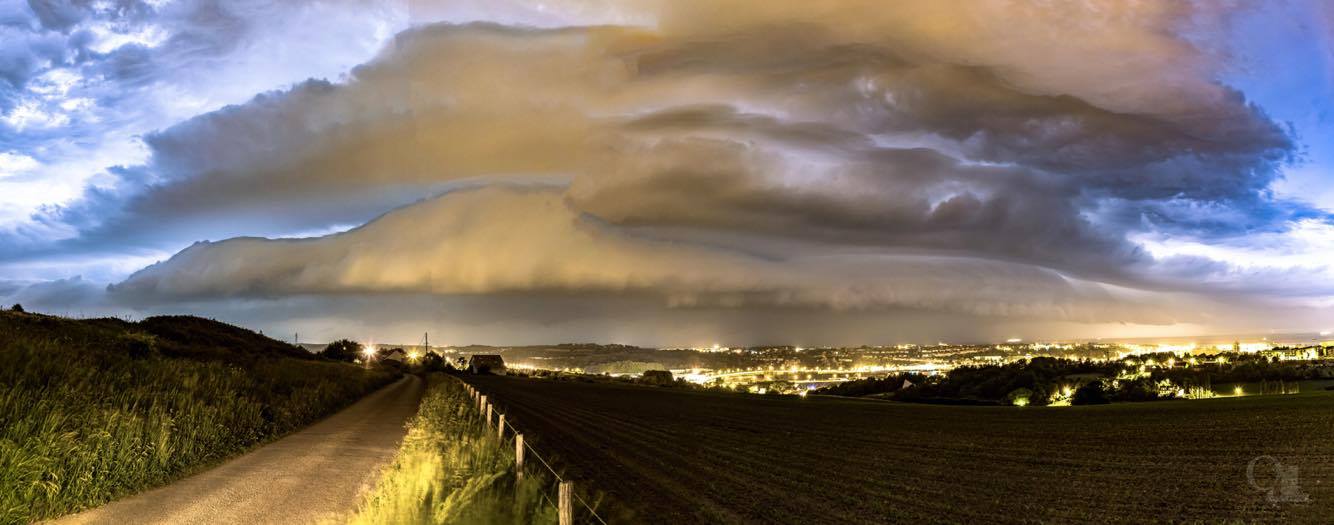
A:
1091	393
1020	397
136	345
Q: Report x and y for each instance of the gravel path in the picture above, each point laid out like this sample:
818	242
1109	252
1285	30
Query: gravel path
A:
313	475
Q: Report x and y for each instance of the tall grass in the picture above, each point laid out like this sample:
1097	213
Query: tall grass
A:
452	469
80	426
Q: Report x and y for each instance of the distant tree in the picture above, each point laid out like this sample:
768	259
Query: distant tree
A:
1091	393
1041	394
1019	397
432	362
17	308
1142	389
656	377
342	350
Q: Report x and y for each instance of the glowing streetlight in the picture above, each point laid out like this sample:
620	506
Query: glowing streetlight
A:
368	352
414	356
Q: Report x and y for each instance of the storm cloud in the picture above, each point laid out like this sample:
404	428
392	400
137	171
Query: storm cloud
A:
1072	162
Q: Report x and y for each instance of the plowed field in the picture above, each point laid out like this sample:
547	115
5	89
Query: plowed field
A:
663	455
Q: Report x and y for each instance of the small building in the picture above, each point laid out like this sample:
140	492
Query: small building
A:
486	364
394	354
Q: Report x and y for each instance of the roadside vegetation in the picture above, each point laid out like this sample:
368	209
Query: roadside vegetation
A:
451	468
93	410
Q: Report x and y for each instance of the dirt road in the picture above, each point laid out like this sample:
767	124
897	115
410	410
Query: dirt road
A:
313	475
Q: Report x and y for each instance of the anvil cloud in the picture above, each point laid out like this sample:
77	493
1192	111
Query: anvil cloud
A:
988	167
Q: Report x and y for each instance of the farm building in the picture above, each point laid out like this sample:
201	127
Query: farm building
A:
394	354
486	364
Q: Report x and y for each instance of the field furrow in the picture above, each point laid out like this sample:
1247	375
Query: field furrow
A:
666	455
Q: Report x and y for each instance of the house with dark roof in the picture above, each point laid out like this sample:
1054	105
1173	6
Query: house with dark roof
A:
486	364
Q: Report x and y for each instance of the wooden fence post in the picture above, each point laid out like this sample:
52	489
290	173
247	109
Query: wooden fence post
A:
500	429
518	456
566	506
488	414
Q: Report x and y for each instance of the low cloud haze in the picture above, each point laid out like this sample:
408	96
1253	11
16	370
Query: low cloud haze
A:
668	172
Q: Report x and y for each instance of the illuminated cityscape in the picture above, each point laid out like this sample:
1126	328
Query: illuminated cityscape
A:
800	370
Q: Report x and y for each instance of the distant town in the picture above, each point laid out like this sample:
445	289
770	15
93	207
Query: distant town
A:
786	369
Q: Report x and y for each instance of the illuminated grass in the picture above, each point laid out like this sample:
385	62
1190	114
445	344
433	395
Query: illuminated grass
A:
450	469
81	425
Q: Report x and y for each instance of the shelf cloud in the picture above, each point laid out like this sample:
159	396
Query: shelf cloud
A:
1082	162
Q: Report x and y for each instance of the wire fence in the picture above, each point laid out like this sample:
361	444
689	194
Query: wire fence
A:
485	405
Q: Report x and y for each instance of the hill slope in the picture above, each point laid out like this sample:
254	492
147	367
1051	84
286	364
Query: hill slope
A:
96	409
173	336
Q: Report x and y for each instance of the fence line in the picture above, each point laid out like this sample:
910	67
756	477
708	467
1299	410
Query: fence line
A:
484	408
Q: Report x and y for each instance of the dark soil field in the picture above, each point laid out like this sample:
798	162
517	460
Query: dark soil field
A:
664	455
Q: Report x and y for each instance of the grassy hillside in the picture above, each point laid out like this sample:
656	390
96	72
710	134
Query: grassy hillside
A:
679	456
173	336
96	409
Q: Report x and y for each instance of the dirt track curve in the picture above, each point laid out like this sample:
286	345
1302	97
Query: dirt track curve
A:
313	475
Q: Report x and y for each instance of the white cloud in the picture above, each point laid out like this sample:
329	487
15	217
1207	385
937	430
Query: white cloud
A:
12	163
32	113
108	38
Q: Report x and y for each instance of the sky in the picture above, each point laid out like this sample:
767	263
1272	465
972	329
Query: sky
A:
672	172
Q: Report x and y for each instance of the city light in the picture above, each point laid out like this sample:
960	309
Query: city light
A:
781	369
